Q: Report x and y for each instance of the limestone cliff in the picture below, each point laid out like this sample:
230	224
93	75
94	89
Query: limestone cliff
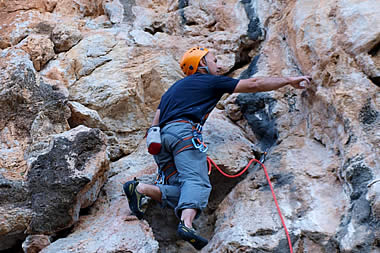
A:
80	81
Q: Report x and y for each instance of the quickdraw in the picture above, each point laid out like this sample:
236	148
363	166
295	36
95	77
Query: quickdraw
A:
197	139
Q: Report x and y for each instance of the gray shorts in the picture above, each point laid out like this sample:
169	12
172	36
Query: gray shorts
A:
190	187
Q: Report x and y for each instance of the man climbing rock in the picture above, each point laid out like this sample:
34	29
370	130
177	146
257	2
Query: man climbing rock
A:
179	151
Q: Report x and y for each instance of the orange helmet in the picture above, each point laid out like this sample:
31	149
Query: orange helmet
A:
190	60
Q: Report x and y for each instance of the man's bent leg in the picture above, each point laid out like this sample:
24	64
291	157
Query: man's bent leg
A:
149	190
167	195
194	181
195	191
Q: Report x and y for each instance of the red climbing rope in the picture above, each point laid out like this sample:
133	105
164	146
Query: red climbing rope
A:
209	161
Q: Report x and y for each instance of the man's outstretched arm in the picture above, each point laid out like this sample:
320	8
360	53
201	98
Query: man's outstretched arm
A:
258	84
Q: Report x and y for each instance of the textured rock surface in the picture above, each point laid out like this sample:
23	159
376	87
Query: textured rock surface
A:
105	63
40	49
30	110
110	218
61	179
228	145
65	37
35	243
72	170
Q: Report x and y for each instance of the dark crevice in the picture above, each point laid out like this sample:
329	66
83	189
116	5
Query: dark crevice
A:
190	23
153	30
251	70
375	80
15	249
278	181
255	35
129	17
222	186
261	232
319	141
156	27
374	50
85	211
254	28
257	109
62	234
242	59
368	115
181	5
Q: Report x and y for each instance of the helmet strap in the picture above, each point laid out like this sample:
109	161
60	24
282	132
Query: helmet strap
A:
206	68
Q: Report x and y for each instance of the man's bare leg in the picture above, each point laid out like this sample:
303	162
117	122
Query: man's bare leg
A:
149	190
188	216
186	232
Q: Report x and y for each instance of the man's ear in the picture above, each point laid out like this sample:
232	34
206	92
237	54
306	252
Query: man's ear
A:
202	62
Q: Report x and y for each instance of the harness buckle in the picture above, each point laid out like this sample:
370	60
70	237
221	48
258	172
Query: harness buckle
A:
160	178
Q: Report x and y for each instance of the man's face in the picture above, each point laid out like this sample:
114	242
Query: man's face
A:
212	64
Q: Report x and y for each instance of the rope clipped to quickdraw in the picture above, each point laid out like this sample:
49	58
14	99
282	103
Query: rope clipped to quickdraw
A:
210	161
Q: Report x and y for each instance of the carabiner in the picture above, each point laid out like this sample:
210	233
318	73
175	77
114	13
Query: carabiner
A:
201	146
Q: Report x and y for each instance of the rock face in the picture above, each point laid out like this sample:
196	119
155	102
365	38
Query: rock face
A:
36	161
72	169
61	179
80	82
110	218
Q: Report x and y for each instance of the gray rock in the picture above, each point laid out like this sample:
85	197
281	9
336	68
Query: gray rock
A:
374	198
66	177
115	11
65	36
81	115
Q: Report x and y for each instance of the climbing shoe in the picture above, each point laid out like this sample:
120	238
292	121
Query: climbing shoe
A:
191	236
134	198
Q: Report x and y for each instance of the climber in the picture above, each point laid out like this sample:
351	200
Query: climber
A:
183	182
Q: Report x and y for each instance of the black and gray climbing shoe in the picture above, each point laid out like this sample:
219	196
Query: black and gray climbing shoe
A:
191	236
134	198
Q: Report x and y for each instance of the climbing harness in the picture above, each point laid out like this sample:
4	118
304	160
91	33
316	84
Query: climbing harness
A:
167	172
194	141
261	163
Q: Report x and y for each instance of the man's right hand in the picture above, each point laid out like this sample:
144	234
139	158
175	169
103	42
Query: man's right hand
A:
300	82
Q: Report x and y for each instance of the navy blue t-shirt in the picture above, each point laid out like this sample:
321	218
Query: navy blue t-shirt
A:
194	96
